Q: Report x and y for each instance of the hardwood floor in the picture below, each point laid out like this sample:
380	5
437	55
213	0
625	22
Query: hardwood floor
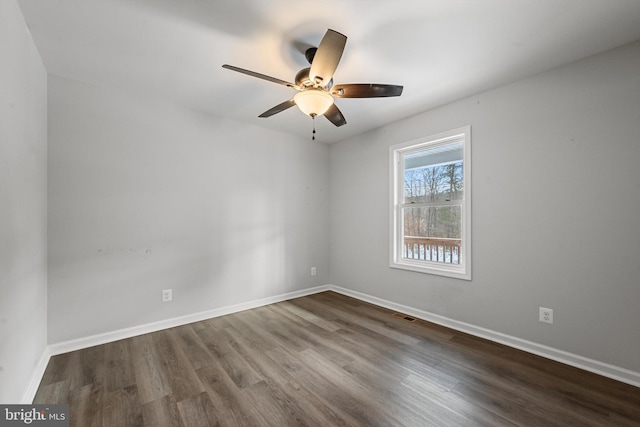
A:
326	360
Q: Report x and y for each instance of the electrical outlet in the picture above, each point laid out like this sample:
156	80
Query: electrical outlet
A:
167	295
313	271
546	315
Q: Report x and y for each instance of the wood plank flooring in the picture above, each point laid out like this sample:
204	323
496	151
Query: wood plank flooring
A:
326	360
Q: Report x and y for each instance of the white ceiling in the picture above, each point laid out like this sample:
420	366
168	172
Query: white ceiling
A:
440	50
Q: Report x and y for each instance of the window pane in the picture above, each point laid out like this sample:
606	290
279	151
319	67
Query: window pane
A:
430	197
438	222
432	233
434	174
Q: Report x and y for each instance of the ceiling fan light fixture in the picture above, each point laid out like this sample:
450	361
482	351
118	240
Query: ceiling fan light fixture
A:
313	102
316	92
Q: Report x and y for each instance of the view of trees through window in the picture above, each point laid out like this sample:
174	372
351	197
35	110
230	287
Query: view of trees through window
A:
433	197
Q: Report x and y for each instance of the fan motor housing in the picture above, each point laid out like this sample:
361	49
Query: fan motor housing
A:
303	80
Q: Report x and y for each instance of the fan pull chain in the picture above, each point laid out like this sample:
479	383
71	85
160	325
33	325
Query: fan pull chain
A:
313	134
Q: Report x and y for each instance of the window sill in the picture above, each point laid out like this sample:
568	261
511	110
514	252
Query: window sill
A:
455	272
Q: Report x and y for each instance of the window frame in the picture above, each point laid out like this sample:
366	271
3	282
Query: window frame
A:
396	196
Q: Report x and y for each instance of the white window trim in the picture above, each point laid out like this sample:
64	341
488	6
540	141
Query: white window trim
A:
396	191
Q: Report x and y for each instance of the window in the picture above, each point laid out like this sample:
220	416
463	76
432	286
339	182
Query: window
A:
430	217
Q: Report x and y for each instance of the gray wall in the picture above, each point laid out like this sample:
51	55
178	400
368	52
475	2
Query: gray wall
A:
23	205
146	195
556	199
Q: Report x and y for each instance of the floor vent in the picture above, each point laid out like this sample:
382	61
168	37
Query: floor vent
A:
404	317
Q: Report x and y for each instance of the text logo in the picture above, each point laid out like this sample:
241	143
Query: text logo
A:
34	415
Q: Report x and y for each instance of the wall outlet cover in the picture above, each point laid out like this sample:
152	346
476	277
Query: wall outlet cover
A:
546	315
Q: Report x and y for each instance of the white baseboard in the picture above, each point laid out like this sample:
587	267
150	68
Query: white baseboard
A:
90	341
595	366
601	368
36	378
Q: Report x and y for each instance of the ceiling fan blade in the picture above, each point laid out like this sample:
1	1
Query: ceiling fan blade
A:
327	57
365	90
258	75
278	108
334	115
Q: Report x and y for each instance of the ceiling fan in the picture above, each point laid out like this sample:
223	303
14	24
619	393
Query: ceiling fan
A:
316	91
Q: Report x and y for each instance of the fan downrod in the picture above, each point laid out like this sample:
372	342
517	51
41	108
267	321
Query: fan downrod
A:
310	54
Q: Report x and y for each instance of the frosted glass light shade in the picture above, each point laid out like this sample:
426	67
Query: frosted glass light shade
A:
313	102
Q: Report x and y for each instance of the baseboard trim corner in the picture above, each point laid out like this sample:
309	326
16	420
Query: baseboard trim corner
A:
36	378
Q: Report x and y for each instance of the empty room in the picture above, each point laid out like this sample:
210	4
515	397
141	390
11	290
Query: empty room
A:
285	212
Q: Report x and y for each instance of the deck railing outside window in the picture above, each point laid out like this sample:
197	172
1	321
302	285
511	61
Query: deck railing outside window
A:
432	249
